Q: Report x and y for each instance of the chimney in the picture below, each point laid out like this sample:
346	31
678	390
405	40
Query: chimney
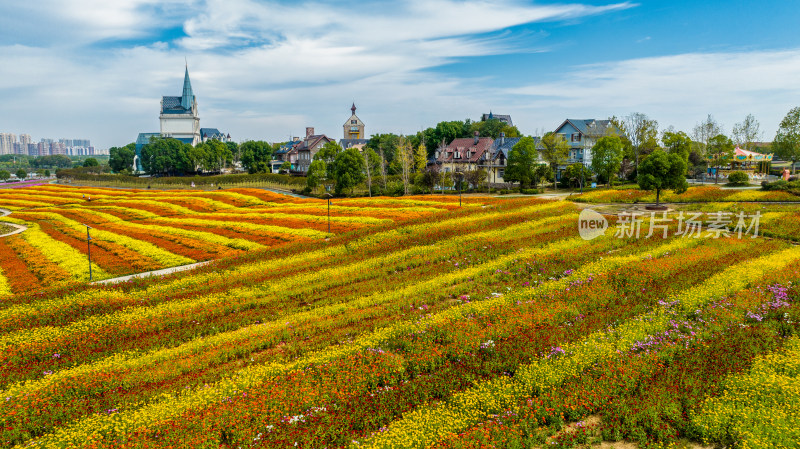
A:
477	137
502	139
309	131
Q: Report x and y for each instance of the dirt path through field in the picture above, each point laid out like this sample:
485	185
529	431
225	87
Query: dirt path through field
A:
17	228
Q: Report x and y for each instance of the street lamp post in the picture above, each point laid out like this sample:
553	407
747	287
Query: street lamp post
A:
89	249
460	177
329	211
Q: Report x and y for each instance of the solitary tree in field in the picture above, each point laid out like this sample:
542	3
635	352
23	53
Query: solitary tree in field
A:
787	140
4	175
22	174
661	170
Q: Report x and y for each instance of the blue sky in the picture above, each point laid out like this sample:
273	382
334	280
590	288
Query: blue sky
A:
267	69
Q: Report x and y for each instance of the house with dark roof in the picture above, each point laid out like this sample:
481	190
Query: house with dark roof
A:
308	148
463	154
503	118
287	152
358	144
582	134
207	134
495	160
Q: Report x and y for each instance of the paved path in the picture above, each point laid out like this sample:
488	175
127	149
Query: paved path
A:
163	272
19	228
283	192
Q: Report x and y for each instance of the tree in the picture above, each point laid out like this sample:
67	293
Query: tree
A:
91	162
704	131
677	142
431	177
643	134
747	132
405	157
256	156
120	159
542	173
21	174
328	153
317	172
719	151
47	173
607	155
371	165
661	170
166	156
555	151
4	175
787	139
420	158
521	164
492	128
475	178
576	174
348	169
285	167
445	132
216	155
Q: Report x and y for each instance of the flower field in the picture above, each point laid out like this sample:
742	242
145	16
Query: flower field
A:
418	324
140	231
692	195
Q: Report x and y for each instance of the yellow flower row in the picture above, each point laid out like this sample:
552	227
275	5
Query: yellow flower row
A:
63	255
150	250
5	289
250	228
427	425
760	408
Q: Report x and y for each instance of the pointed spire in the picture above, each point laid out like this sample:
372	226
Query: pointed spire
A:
187	99
353	108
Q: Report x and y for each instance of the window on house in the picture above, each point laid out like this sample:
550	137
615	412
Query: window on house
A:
354	122
576	137
501	172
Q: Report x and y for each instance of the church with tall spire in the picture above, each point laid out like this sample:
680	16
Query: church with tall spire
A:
179	118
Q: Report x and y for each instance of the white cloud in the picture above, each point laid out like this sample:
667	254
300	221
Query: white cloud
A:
678	90
252	63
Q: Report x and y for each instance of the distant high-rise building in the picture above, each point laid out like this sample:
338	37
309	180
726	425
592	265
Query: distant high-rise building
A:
33	149
7	141
46	141
67	142
58	148
25	139
81	143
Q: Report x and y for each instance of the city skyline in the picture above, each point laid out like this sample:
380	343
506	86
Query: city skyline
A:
267	70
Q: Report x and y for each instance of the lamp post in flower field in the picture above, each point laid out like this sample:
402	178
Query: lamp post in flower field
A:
460	177
89	249
329	196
